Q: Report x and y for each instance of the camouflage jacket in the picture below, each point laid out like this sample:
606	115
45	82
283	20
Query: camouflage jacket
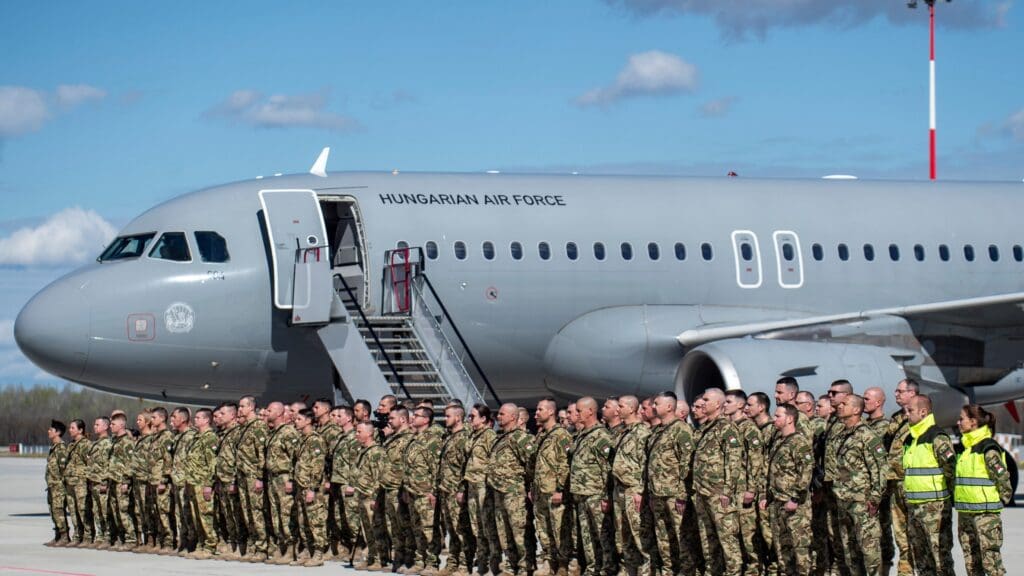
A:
718	461
420	460
861	465
182	441
899	429
754	447
251	449
669	457
789	467
368	471
832	437
227	455
201	458
77	469
56	463
161	455
140	458
119	467
478	454
880	426
508	462
591	462
395	446
617	431
452	462
310	460
330	433
282	444
630	456
551	460
343	457
99	460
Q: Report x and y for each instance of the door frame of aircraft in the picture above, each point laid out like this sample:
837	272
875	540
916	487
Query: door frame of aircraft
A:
787	275
749	273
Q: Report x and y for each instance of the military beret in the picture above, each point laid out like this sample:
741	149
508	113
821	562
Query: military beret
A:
58	426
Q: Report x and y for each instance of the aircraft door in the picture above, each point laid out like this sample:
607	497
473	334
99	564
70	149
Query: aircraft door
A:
300	257
747	254
789	258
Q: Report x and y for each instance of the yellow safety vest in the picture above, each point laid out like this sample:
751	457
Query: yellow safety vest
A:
975	491
923	480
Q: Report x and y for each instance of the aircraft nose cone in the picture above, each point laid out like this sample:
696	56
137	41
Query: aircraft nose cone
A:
52	330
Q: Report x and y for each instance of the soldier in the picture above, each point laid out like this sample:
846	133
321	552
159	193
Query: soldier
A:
805	404
478	499
786	390
142	499
823	408
859	486
756	410
874	417
719	477
99	478
563	418
229	505
308	475
550	483
56	493
200	468
366	476
699	416
343	456
786	497
420	461
454	519
397	526
899	429
250	459
669	455
826	447
282	444
181	423
610	416
506	476
76	477
929	462
649	414
627	467
119	470
330	432
588	477
160	486
361	412
574	417
752	547
982	486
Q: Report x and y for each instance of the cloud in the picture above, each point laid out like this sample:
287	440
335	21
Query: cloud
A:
1014	125
69	96
24	110
72	236
740	19
6	332
392	100
282	111
646	74
717	108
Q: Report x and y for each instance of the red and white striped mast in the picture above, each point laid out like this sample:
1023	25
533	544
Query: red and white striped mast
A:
931	84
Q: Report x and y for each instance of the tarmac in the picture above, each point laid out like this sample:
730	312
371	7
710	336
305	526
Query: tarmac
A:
25	525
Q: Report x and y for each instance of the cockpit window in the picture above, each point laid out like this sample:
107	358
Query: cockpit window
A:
171	246
212	247
126	247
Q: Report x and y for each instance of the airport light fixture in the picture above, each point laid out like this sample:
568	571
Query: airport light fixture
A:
931	82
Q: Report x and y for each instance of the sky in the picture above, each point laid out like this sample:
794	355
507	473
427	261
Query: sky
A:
107	108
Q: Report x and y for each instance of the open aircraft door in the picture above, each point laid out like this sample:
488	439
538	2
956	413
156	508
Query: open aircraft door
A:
299	253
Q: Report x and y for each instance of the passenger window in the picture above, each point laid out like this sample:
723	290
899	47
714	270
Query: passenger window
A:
544	251
171	246
993	253
1018	253
869	252
627	251
460	250
787	252
746	252
706	251
571	251
894	252
431	249
969	252
488	249
598	251
844	252
402	244
516	249
943	252
653	251
817	252
919	252
126	247
212	247
680	251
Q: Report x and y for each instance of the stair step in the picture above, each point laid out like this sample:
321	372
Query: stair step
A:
405	362
413	373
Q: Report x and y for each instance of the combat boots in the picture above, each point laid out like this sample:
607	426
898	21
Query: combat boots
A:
317	559
285	557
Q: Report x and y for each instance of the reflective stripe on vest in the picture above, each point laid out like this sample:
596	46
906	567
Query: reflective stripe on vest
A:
975	492
923	479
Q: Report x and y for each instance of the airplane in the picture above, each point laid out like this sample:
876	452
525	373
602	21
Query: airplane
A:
509	287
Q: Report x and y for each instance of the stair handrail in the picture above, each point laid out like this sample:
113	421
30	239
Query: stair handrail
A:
376	339
445	354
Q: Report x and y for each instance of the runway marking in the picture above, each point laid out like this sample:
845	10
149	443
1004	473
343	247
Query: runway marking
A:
39	571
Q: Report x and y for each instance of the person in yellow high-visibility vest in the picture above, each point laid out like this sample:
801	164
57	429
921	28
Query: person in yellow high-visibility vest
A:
982	487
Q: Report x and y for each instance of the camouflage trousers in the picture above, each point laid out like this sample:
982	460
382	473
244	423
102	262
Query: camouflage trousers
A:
668	525
692	553
596	549
399	527
834	520
364	506
228	514
792	539
140	505
981	538
767	537
56	499
821	556
160	512
858	537
510	521
455	523
78	509
122	523
199	512
551	531
100	510
750	540
931	536
312	520
251	505
893	518
628	534
183	520
480	502
349	523
720	535
421	517
282	507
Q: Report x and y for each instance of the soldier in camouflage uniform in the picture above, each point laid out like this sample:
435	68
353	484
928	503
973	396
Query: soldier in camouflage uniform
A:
506	476
828	446
183	435
859	487
282	444
343	455
757	410
160	487
874	417
250	459
786	495
752	546
330	432
365	483
99	482
141	498
119	470
56	493
453	514
669	455
76	477
550	484
896	517
308	476
396	517
420	460
228	505
627	468
588	482
821	556
477	498
719	476
200	468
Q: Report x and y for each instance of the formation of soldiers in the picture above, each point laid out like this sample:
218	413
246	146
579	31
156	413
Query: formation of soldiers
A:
626	487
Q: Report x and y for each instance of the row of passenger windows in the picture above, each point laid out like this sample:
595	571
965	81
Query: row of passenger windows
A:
572	251
171	246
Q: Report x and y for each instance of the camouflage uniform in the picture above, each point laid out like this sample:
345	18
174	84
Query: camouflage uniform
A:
330	433
764	524
367	473
719	471
930	524
588	482
200	468
830	438
183	520
508	467
753	547
99	484
160	473
250	458
231	521
550	475
454	518
76	476
122	523
310	461
981	533
420	461
880	426
669	457
628	464
479	500
789	467
861	471
282	444
56	493
343	455
398	523
893	516
140	489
